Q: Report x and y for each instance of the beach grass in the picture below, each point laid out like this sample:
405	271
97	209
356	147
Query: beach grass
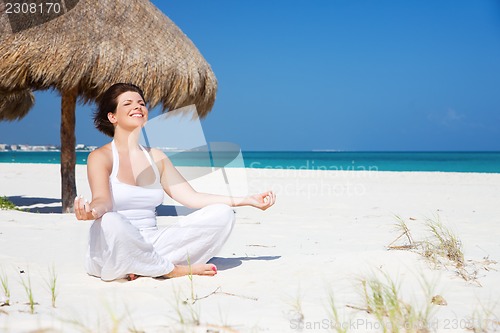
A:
223	318
51	283
295	313
485	318
402	228
442	248
6	204
187	313
383	300
132	328
78	325
444	243
4	279
116	320
338	323
26	282
190	277
98	325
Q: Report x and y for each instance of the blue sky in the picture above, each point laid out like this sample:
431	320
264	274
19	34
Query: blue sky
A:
332	75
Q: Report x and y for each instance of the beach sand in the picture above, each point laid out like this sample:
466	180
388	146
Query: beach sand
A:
328	231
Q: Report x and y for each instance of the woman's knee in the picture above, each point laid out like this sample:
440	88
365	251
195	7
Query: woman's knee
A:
113	223
109	218
223	213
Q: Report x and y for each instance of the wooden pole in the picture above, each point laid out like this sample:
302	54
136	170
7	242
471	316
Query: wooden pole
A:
68	155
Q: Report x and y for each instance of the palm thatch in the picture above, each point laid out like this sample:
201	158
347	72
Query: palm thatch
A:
100	42
15	104
92	44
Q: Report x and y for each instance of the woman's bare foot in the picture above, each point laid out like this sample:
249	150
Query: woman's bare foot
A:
132	277
199	269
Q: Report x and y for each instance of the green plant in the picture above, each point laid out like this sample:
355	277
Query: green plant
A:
382	299
6	204
131	326
51	283
29	291
78	324
296	313
442	249
186	312
405	231
102	323
484	319
177	306
190	276
334	315
446	244
223	318
5	286
116	321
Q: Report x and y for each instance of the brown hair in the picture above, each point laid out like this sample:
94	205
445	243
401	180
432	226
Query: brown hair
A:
108	102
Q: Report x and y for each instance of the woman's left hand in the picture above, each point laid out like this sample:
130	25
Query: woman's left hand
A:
262	200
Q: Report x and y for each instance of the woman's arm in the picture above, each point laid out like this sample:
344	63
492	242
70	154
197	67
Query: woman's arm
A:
178	188
98	170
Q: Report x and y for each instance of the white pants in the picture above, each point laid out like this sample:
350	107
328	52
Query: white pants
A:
117	247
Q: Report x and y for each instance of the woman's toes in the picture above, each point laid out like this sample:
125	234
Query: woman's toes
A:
132	277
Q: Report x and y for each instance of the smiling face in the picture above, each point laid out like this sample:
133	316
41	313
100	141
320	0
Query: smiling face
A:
131	111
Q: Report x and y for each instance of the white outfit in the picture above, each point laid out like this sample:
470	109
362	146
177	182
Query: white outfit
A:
127	240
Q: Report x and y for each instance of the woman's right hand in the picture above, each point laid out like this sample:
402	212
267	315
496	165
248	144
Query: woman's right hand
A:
82	209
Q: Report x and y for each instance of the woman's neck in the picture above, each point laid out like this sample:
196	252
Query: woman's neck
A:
126	141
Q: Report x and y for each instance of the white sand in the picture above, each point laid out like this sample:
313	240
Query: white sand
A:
328	230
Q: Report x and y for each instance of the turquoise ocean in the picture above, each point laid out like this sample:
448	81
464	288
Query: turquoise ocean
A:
484	162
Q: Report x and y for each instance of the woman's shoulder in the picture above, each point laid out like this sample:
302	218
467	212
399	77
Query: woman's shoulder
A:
159	157
157	154
102	154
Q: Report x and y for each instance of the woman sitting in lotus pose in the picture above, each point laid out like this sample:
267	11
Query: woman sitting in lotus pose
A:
128	182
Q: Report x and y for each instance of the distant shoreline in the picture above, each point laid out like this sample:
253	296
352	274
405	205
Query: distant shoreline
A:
41	148
481	162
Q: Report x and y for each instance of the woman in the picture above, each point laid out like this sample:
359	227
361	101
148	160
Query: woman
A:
128	182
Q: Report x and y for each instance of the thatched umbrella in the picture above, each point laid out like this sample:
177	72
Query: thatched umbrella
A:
86	47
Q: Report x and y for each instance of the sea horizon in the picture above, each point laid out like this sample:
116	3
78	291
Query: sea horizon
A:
440	161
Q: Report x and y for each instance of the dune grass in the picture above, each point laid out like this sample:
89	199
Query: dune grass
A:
485	318
187	313
111	317
26	282
338	324
4	279
6	204
51	283
383	300
443	243
296	313
404	231
441	248
190	277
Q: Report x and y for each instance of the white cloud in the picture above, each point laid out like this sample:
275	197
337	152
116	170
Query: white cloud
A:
449	118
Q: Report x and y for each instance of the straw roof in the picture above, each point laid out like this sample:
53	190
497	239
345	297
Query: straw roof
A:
15	105
95	43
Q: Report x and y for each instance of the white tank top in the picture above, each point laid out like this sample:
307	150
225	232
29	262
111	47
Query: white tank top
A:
137	203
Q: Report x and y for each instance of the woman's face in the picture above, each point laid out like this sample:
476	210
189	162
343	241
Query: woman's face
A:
131	111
